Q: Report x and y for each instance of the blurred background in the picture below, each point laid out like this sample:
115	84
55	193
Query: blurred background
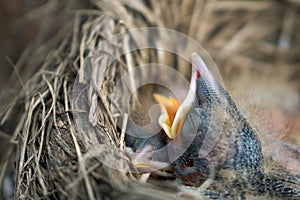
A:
255	44
26	26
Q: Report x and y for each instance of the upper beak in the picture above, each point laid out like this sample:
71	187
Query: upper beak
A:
174	113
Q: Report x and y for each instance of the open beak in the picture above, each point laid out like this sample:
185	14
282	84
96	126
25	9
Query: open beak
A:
174	113
203	88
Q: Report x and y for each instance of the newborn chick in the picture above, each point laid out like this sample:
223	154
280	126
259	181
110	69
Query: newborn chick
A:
207	138
214	137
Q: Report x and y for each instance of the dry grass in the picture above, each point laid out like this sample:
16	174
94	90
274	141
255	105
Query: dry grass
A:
251	42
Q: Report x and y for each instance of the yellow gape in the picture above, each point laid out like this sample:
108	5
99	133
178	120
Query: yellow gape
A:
173	114
166	120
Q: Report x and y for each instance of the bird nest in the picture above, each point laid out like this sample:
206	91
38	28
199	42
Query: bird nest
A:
71	134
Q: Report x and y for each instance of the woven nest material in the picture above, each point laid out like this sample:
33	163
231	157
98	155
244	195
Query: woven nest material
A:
244	38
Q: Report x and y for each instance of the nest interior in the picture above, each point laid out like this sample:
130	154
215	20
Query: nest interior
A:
250	41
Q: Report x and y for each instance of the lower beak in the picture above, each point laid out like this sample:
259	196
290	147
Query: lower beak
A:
144	162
